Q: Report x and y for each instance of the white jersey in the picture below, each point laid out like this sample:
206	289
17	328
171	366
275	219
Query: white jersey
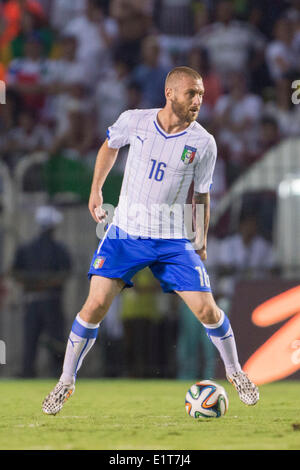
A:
159	171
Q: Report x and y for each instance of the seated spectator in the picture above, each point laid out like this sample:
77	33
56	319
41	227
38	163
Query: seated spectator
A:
63	11
28	137
175	24
66	68
174	18
230	43
268	137
282	108
28	75
11	15
31	23
134	22
134	96
293	11
263	15
201	16
296	45
236	117
293	14
67	174
8	121
111	95
280	56
150	75
245	253
66	75
77	140
95	35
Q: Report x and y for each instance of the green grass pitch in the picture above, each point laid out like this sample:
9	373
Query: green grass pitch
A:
145	414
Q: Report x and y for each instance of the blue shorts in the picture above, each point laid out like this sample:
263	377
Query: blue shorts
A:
173	262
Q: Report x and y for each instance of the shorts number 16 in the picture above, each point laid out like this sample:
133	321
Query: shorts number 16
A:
204	279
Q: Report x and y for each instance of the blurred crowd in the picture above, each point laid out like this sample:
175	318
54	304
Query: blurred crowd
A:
71	67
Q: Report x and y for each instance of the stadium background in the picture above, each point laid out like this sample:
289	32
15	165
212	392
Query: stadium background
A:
70	68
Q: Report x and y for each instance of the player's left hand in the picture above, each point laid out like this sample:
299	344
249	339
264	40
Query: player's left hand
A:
95	205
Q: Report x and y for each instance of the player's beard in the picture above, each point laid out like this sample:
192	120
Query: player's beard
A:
182	111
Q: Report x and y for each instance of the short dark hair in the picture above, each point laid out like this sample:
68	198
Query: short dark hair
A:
182	70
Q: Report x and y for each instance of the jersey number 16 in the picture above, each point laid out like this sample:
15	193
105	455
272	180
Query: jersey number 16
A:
157	170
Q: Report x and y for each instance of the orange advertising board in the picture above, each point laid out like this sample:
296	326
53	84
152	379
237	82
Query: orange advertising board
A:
279	356
265	317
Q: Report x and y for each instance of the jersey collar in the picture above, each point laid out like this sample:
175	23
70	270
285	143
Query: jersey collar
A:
170	136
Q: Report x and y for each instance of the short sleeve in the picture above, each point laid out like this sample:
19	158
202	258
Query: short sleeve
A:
118	133
204	168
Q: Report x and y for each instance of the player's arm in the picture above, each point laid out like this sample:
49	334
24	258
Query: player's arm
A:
201	231
105	160
202	183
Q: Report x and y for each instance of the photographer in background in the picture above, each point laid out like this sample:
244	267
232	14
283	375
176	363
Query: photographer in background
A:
42	267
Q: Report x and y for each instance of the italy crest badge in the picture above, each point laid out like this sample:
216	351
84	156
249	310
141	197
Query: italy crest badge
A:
99	261
188	154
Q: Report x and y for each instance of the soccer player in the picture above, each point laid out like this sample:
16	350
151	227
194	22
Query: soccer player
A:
168	151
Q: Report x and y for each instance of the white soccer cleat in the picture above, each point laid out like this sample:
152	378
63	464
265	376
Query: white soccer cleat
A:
54	402
247	390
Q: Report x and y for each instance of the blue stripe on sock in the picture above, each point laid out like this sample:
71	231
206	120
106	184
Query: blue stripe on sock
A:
83	349
221	330
84	332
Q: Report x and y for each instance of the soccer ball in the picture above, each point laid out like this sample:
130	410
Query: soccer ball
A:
206	399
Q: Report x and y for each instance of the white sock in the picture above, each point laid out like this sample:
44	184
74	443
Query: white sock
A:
81	339
222	337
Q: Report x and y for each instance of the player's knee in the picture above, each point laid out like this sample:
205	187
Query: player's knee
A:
100	306
208	314
94	309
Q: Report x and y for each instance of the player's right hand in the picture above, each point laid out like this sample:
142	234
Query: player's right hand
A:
95	206
202	253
